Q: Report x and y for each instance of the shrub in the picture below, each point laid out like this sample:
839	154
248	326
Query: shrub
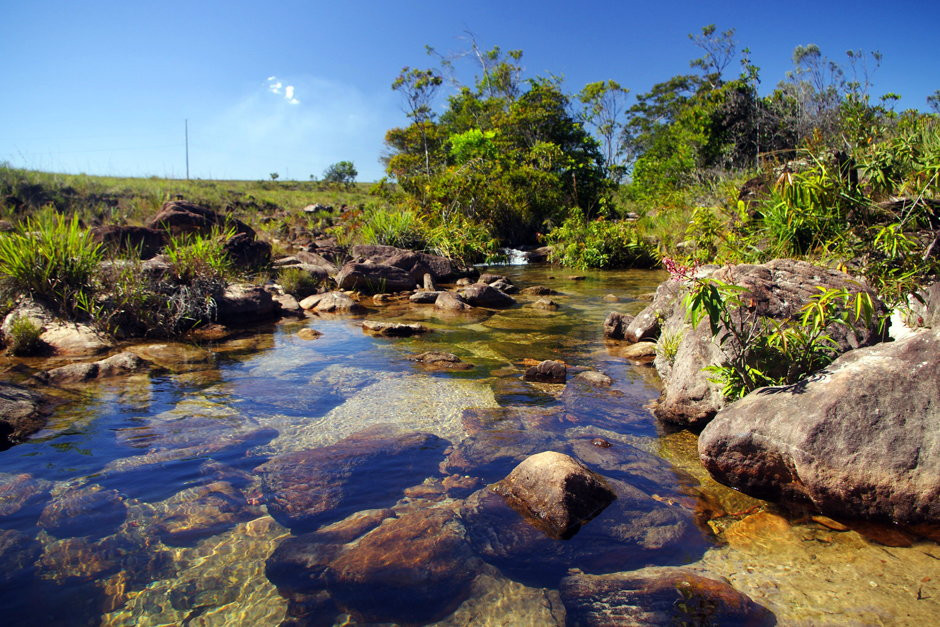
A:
298	282
465	241
52	259
24	336
198	257
392	227
600	244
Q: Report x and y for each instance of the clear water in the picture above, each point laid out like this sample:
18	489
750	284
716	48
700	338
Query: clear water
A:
176	451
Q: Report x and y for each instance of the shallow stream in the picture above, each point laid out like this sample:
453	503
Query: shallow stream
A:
142	502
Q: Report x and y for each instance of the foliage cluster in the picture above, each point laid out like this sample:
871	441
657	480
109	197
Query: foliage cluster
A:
762	351
600	243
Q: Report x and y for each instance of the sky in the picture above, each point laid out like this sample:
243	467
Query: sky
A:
108	88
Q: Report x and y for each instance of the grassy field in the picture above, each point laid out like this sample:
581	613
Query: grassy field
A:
103	199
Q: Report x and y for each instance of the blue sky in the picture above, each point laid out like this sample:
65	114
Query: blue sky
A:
104	87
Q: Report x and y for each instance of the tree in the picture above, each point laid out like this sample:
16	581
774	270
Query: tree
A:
343	172
418	88
604	107
933	101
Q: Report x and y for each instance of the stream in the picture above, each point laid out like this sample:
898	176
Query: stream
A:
146	499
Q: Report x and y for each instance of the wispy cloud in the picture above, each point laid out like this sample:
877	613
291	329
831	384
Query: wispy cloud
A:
275	85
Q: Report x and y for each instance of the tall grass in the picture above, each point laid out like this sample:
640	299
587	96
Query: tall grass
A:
52	259
196	256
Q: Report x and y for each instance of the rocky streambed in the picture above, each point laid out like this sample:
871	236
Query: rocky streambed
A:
321	472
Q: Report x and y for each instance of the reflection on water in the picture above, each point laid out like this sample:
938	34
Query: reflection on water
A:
144	501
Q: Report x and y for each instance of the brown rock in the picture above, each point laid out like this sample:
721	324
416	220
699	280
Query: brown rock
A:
538	290
200	512
373	278
439	360
144	242
22	495
616	324
88	511
179	216
331	302
856	441
247	252
546	303
556	493
308	334
22	413
482	295
393	329
447	301
116	365
241	303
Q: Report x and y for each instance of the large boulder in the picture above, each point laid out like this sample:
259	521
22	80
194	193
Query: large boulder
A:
179	216
616	324
556	492
775	291
374	278
246	251
658	596
331	302
142	241
859	439
243	304
482	295
417	264
306	488
22	413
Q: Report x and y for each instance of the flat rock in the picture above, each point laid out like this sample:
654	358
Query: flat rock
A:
857	440
200	512
424	297
546	304
242	304
658	596
331	302
538	290
114	366
593	377
174	356
305	489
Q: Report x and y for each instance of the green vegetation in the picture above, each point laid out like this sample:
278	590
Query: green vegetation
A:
24	336
297	282
52	259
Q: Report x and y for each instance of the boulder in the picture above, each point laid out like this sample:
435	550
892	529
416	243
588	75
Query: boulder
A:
658	596
775	291
63	338
424	297
595	378
317	262
627	534
548	371
417	264
246	251
113	366
179	216
859	439
22	413
142	241
374	278
305	489
927	310
393	329
241	303
555	492
482	295
538	290
331	302
174	356
448	301
616	325
538	255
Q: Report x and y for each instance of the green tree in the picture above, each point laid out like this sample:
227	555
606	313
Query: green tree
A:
603	109
343	172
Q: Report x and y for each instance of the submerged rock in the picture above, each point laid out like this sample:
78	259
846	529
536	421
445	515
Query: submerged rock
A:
658	596
89	511
393	329
859	439
556	493
439	360
201	512
21	498
115	365
304	489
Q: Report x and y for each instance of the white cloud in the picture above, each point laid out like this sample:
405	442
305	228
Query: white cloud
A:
289	95
275	85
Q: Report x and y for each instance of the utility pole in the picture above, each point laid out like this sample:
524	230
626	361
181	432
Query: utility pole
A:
187	149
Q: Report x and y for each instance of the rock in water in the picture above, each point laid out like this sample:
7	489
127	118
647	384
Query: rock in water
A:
393	329
548	371
21	413
615	325
88	511
307	488
556	493
482	295
658	596
859	439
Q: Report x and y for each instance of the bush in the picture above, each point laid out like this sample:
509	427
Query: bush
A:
465	241
135	304
600	244
391	227
24	336
298	282
51	259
